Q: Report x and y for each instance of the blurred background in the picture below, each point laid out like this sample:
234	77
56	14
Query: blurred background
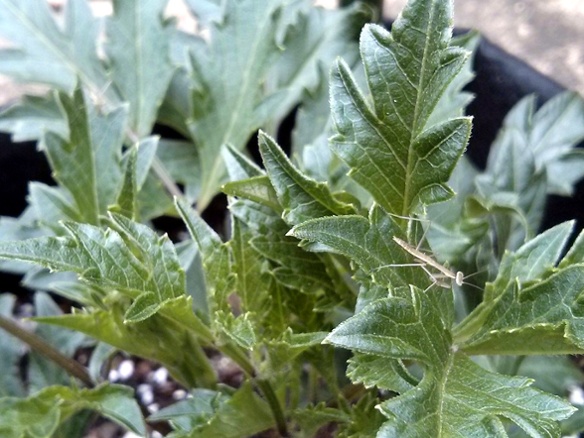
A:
547	34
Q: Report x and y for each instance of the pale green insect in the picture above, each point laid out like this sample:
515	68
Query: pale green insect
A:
425	259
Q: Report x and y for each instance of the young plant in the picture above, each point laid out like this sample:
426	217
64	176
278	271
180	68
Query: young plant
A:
320	263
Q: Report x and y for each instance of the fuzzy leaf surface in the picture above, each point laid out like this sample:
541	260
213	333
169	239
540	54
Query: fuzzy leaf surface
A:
128	257
229	102
367	241
388	145
138	50
175	328
214	257
43	53
531	307
301	197
88	163
455	397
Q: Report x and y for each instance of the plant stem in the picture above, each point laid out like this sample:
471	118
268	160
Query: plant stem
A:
166	179
274	403
39	345
239	357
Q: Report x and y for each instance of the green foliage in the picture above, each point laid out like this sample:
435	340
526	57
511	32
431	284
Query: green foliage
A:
329	322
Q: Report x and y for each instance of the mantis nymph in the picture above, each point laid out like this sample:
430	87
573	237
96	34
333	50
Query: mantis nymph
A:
425	259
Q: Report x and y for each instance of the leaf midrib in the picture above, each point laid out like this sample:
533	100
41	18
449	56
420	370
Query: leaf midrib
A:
411	161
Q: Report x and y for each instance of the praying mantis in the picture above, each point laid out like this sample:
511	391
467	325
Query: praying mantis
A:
425	259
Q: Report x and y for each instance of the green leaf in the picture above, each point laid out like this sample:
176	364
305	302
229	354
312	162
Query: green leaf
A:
314	39
248	181
244	414
193	412
40	414
137	48
128	257
534	156
552	133
368	242
252	282
31	117
301	197
416	327
230	103
365	419
312	418
239	329
454	100
181	161
88	164
214	256
372	370
287	347
175	328
215	414
44	53
51	205
391	150
257	189
126	202
531	307
493	396
553	374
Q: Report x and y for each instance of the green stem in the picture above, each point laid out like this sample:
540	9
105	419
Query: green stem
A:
240	358
166	179
39	345
274	403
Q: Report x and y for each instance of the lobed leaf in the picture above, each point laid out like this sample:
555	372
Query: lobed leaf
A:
455	397
531	307
128	257
301	197
233	78
388	145
312	38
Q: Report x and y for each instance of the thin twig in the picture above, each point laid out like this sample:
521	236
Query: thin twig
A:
38	344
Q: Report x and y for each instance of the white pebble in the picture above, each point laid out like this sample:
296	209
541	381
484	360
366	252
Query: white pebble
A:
577	395
113	376
179	394
145	392
126	369
160	375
